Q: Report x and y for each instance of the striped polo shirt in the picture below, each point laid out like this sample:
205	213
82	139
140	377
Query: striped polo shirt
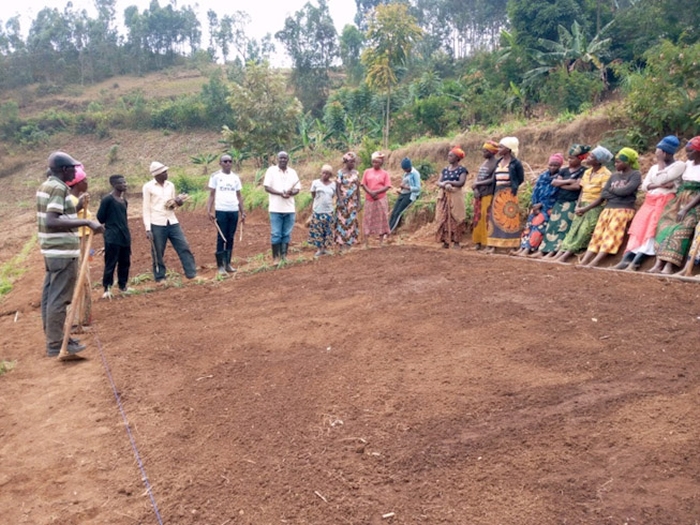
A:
53	196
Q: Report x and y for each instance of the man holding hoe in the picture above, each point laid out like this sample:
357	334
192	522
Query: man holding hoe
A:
58	238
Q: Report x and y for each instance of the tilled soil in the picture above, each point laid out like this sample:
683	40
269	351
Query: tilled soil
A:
406	384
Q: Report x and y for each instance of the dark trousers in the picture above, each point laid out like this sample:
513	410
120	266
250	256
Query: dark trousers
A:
400	205
228	222
59	283
172	232
118	257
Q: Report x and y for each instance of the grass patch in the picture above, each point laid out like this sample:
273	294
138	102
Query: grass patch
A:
15	267
6	366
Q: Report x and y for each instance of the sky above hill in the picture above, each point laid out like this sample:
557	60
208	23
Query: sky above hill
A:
267	16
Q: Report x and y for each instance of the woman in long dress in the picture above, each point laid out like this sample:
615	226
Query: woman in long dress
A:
504	218
451	212
677	226
589	205
348	203
483	193
376	183
660	185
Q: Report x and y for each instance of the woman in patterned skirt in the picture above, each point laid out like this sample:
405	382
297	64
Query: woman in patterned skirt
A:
451	212
660	185
348	203
542	201
677	225
620	193
376	182
504	216
321	227
589	204
483	193
568	182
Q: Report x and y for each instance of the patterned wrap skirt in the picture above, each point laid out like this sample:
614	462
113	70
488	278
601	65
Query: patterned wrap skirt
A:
376	219
610	230
673	238
451	216
558	226
321	230
504	219
534	231
480	226
581	230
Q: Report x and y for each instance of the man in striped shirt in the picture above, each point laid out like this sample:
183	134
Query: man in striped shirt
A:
58	224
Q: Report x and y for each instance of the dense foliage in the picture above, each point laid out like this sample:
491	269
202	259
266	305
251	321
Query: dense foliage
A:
402	71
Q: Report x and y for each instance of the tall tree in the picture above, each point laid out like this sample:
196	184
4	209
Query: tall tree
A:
264	115
391	35
311	41
351	42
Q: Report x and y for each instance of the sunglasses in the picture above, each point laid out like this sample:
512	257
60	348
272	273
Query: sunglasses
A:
227	161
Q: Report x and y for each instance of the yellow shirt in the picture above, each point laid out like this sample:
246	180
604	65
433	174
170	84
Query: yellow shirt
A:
592	183
82	214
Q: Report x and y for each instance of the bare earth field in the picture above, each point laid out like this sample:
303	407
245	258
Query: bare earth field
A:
400	385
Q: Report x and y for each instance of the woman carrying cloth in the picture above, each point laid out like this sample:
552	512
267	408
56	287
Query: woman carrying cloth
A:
451	212
676	227
348	203
589	205
504	217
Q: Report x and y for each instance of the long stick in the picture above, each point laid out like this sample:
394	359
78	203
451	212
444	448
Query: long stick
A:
448	199
70	316
81	304
221	234
154	253
692	256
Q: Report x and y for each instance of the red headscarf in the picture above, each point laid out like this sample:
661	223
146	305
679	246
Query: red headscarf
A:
694	143
459	152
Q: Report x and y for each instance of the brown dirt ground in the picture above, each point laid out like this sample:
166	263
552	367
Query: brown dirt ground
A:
440	386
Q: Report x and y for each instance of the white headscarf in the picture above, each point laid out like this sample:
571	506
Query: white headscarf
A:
512	144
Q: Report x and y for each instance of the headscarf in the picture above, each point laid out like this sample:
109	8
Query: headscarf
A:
378	155
512	143
80	176
490	145
557	158
350	155
630	157
601	154
406	164
694	143
327	167
579	150
669	144
459	152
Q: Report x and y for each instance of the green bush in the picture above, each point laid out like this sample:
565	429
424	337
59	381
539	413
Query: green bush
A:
664	97
190	184
569	91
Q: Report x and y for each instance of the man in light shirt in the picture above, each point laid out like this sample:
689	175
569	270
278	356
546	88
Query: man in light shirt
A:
224	207
282	184
159	203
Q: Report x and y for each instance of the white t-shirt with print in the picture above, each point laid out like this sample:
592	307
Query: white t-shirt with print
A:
226	186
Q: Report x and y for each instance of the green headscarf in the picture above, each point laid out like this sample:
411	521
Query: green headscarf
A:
630	157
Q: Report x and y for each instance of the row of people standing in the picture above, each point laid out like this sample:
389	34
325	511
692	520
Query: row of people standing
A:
496	222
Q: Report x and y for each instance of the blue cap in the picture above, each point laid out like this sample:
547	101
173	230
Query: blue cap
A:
406	164
669	144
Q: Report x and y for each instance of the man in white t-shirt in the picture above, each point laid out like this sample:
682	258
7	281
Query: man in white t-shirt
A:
282	184
225	196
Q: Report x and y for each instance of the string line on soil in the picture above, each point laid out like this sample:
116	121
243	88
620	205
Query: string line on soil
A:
144	477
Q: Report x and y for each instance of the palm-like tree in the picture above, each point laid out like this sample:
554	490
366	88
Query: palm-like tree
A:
573	52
